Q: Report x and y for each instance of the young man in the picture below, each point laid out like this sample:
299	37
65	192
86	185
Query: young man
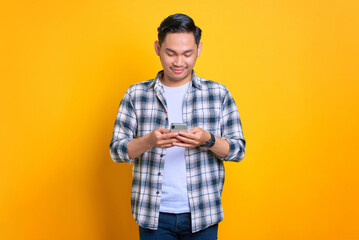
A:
178	177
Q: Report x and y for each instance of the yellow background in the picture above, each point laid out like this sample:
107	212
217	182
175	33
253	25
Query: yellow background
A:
292	67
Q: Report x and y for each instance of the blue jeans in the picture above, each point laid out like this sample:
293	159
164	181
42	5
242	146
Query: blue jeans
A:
177	227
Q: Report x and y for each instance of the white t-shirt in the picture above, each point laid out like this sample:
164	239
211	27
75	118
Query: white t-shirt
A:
174	185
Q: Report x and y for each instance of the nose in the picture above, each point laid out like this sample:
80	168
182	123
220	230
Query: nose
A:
178	61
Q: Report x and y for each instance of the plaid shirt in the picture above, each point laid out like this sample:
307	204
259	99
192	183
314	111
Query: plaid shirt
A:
207	105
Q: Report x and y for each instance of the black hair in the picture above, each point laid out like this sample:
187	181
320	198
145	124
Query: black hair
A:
178	23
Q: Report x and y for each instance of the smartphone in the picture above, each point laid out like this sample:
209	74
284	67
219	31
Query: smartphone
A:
175	127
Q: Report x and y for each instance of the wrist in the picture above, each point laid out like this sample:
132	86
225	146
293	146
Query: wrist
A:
207	138
148	140
210	142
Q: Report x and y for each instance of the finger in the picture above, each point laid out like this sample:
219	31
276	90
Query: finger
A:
163	130
170	135
190	131
168	141
188	135
194	130
187	140
180	144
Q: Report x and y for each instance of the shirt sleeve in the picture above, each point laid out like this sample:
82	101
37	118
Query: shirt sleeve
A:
231	129
124	131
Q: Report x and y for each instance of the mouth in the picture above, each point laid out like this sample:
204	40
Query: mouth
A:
177	71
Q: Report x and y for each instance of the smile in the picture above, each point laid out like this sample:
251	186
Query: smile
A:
177	71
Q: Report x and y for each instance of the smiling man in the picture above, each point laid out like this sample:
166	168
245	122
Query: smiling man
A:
178	176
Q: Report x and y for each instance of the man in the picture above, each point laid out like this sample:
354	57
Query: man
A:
178	176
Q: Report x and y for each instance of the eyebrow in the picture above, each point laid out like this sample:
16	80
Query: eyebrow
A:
187	51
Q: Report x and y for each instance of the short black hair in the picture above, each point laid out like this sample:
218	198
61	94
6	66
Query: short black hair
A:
178	23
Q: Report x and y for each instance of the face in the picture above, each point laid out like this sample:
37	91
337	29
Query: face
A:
178	54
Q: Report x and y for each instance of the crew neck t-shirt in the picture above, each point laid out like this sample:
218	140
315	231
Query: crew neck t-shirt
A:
174	185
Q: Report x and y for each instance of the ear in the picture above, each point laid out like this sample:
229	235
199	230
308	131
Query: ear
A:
199	49
157	48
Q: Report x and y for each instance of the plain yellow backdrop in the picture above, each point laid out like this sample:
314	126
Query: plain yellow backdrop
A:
292	67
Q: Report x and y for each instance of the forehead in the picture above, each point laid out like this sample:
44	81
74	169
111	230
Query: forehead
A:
179	41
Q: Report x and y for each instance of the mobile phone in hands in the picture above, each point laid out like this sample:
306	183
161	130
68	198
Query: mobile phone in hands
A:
176	127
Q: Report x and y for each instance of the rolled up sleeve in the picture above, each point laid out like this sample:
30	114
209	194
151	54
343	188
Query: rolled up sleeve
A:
231	129
124	131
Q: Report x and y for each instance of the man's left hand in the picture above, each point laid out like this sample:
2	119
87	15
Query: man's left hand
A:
192	138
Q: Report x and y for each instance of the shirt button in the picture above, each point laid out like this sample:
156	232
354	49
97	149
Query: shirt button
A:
157	192
161	155
159	174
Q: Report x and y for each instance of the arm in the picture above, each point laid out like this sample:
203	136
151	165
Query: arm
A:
124	131
231	129
125	147
231	144
220	147
160	137
197	137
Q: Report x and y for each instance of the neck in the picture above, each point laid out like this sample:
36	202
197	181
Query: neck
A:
175	83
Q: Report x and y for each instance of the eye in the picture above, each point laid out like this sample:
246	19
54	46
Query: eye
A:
188	55
170	54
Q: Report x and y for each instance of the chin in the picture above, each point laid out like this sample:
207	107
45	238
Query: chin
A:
180	77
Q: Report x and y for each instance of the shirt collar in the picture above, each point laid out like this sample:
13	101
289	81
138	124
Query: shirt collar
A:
196	81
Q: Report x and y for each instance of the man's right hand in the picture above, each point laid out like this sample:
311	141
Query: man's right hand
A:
162	137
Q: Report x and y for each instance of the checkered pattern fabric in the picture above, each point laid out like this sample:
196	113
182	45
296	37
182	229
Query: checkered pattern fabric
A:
207	105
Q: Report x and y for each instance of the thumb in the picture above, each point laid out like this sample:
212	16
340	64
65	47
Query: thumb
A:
163	130
195	130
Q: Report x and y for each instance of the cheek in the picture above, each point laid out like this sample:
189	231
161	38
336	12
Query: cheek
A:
165	61
191	61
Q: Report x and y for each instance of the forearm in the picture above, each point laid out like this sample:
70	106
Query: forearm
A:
220	148
198	137
160	137
138	146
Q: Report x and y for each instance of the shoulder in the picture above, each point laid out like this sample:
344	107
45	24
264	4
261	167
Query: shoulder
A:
212	86
139	88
